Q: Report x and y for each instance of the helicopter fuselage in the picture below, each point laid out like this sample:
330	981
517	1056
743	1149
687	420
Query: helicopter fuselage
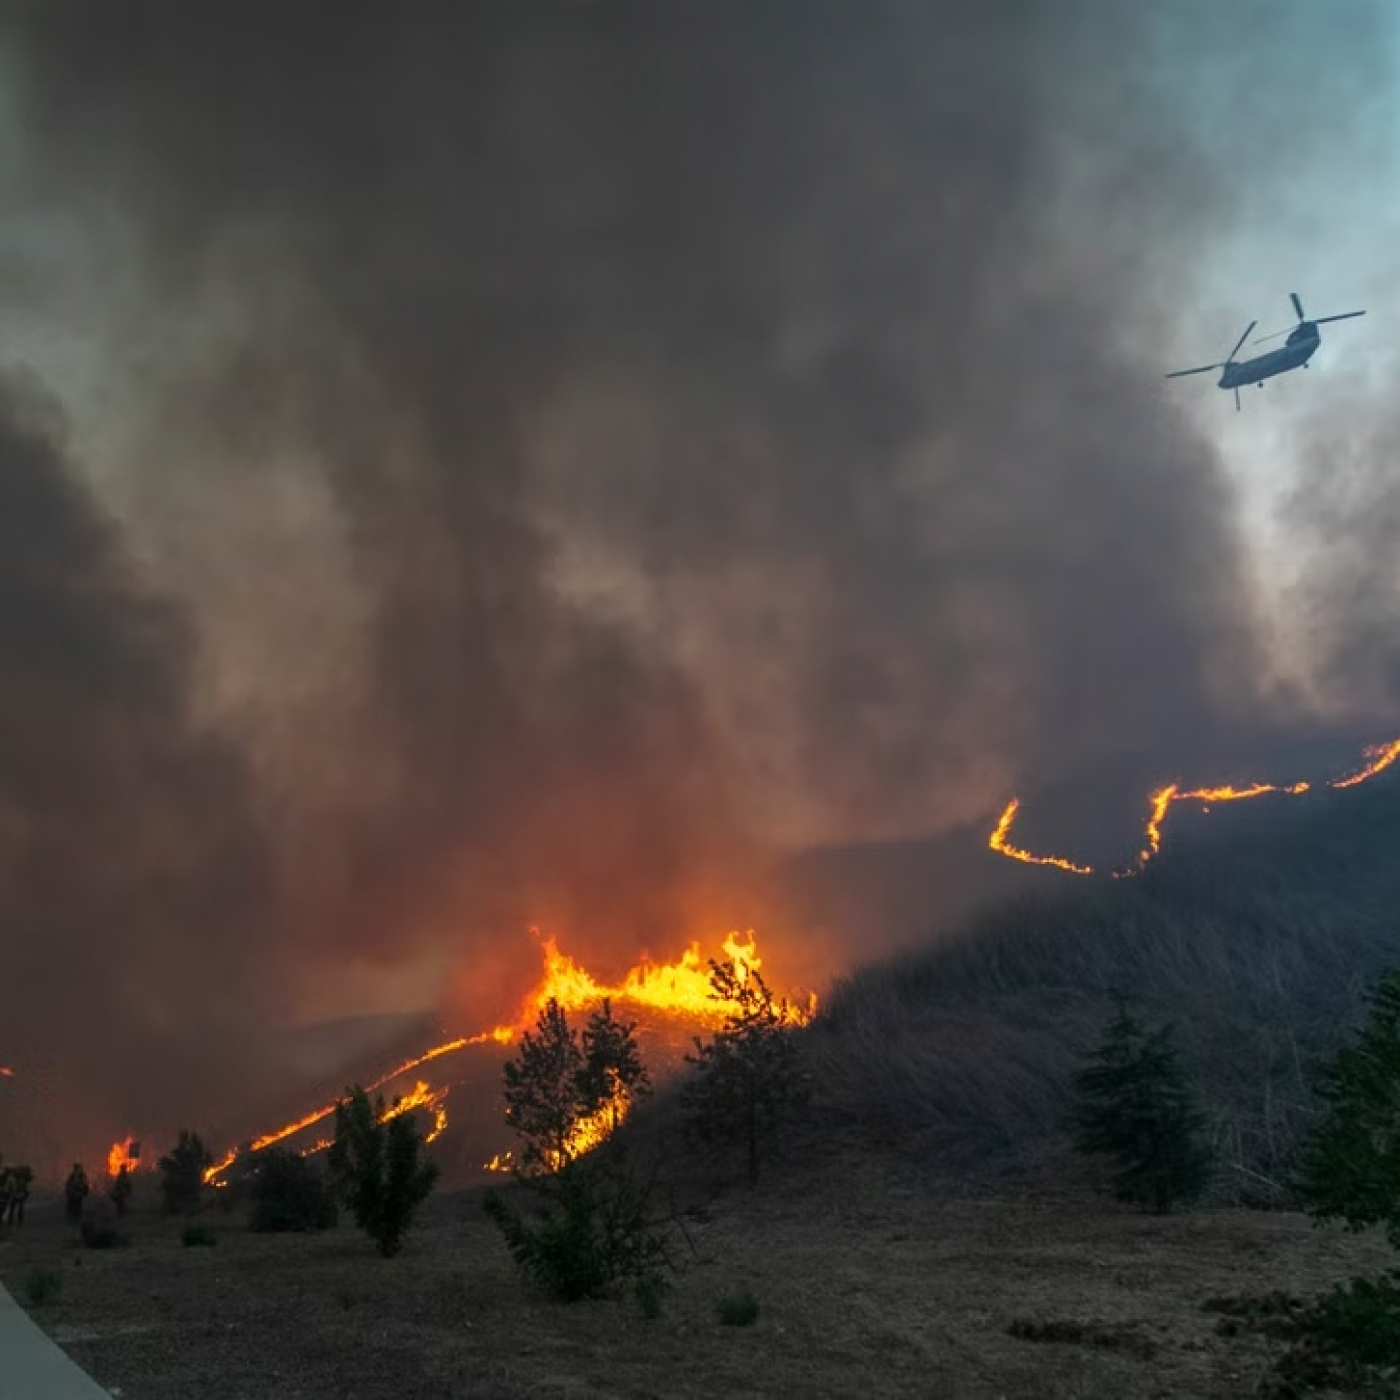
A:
1299	348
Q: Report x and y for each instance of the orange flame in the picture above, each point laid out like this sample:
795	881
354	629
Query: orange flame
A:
6	1072
121	1156
1379	757
1002	846
682	988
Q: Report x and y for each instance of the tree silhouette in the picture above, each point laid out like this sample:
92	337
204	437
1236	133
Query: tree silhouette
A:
1138	1107
749	1078
378	1168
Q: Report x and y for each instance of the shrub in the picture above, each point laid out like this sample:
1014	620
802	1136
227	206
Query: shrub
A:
377	1167
737	1309
42	1286
195	1236
1138	1108
289	1194
98	1234
650	1290
749	1078
182	1173
593	1228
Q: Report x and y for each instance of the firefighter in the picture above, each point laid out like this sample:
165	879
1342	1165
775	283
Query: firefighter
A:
75	1192
19	1181
120	1189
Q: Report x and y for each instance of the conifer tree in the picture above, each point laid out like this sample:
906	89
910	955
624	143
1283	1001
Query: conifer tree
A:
542	1090
613	1075
749	1077
1138	1107
182	1173
1351	1165
556	1081
378	1168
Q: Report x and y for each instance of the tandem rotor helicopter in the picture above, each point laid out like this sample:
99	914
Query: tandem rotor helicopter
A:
1298	349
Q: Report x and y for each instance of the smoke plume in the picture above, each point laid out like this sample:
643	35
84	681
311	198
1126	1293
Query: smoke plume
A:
597	445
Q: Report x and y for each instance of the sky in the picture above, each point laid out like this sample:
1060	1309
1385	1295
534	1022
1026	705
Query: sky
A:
501	464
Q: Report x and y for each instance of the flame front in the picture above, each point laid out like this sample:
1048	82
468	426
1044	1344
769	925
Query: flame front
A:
6	1072
1378	757
682	987
1002	846
123	1154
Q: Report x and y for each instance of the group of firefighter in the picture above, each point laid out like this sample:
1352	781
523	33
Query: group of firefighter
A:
15	1182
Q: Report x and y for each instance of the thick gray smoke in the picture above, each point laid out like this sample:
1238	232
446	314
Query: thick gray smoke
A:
139	923
604	442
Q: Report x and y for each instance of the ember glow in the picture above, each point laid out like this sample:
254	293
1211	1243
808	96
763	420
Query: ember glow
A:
681	988
1378	757
6	1072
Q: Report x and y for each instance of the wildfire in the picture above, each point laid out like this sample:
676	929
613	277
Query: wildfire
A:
6	1072
126	1153
999	843
682	988
1378	757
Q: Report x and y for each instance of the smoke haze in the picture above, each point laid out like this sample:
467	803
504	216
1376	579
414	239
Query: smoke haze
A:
584	450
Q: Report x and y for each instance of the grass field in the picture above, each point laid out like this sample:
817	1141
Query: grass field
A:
869	1282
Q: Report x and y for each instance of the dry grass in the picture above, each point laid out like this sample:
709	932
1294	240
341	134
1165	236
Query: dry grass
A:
868	1284
1259	946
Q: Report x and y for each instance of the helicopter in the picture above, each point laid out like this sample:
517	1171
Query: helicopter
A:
1298	349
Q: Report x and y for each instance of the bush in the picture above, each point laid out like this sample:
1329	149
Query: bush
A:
378	1169
182	1174
650	1290
196	1236
100	1235
1138	1108
42	1286
737	1309
592	1230
289	1194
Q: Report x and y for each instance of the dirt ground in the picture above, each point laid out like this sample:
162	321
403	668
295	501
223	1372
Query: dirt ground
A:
868	1284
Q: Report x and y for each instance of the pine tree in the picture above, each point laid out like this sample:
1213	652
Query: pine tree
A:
182	1173
749	1077
378	1169
613	1075
1138	1107
555	1082
1351	1165
542	1090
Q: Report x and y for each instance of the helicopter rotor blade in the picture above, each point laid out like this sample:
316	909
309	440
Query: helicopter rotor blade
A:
1272	335
1200	369
1345	316
1230	357
1297	306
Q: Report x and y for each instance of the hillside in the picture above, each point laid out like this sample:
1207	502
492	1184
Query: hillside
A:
1257	931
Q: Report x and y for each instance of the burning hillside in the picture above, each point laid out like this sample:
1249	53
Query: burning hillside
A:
676	990
1378	758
